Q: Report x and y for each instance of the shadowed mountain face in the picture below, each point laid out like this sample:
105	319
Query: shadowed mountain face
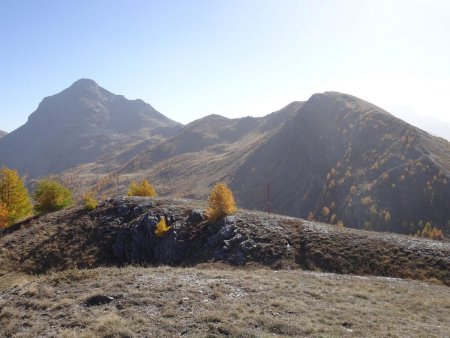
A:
2	133
343	159
77	126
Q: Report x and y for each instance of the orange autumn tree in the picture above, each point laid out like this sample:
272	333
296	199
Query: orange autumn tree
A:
220	202
14	197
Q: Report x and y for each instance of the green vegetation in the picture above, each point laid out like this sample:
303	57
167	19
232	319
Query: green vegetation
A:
50	196
142	189
220	202
14	198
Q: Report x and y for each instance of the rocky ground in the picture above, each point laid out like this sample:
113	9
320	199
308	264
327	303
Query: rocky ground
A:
121	232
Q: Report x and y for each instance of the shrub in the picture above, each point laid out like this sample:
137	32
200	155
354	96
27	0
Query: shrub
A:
161	228
431	232
142	189
436	234
90	202
220	202
13	196
50	196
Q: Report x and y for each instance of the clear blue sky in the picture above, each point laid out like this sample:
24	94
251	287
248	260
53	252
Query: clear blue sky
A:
229	57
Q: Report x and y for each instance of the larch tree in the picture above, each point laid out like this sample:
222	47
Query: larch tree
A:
13	196
142	189
50	196
220	202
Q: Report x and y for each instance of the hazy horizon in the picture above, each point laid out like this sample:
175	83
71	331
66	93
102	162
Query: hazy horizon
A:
230	58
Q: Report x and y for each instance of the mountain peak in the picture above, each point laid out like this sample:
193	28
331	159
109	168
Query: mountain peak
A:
84	83
79	124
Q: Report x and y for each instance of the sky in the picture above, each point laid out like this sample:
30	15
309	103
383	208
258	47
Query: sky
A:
235	58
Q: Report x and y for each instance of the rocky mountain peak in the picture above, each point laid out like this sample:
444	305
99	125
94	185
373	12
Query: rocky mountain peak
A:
79	124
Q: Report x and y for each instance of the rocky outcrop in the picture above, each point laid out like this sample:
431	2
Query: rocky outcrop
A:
192	238
121	231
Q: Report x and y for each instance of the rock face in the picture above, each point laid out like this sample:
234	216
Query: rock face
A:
77	126
191	240
2	133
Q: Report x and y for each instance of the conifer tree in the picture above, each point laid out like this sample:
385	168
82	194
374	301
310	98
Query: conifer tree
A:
142	189
50	196
220	202
90	200
161	228
14	196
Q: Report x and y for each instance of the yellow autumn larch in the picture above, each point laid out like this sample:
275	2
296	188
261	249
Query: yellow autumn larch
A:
220	202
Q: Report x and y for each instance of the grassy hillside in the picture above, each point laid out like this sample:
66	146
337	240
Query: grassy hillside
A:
218	302
77	273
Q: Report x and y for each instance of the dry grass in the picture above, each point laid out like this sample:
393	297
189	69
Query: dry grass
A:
212	302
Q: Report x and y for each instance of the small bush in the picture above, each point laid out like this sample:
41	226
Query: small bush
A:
431	232
221	202
50	196
142	189
161	228
90	202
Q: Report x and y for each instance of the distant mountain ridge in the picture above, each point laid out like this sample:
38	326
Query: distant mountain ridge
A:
77	126
2	133
334	158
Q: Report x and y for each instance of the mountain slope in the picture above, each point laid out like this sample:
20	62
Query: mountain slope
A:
201	153
335	158
2	133
345	157
77	126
